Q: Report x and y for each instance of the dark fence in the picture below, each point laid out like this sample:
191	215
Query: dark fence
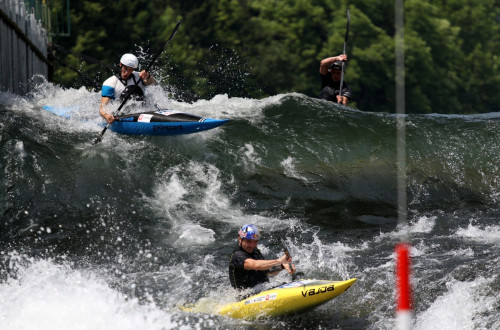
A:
23	48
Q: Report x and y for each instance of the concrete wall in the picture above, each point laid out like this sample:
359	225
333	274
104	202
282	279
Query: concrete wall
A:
23	48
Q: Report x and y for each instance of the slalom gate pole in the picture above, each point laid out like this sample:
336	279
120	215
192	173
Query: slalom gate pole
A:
404	313
404	317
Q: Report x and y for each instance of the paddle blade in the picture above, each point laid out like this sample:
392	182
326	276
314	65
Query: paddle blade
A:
286	250
99	137
347	27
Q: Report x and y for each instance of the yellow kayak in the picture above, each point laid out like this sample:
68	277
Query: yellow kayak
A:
285	299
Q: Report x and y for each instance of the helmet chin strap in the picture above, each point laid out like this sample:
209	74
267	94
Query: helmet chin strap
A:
241	242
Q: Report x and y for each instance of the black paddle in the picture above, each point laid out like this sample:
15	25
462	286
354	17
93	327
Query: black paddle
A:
128	95
345	45
286	250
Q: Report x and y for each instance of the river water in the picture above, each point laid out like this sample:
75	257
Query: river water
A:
119	235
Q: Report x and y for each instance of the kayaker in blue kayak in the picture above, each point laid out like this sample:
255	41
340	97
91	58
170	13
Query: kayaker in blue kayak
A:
248	267
127	81
330	70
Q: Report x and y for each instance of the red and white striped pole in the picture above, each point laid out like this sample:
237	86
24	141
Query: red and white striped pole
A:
403	287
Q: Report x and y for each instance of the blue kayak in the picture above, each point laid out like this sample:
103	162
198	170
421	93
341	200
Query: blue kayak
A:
64	112
161	122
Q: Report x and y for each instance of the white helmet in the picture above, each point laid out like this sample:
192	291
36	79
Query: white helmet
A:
129	60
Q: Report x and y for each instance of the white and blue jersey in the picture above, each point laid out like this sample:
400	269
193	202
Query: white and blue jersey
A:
114	86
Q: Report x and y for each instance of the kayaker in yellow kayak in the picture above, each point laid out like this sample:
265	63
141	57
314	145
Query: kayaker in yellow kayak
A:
248	267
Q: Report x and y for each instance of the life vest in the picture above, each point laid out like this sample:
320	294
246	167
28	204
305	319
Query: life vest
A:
134	90
116	87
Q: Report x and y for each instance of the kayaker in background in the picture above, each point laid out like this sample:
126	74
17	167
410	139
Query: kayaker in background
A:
127	81
330	70
248	267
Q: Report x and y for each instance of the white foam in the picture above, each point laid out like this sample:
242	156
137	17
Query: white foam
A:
460	307
13	101
220	106
326	257
289	165
45	295
193	234
196	188
489	234
223	106
251	158
19	147
423	224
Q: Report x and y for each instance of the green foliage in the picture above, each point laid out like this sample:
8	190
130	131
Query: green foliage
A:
264	47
